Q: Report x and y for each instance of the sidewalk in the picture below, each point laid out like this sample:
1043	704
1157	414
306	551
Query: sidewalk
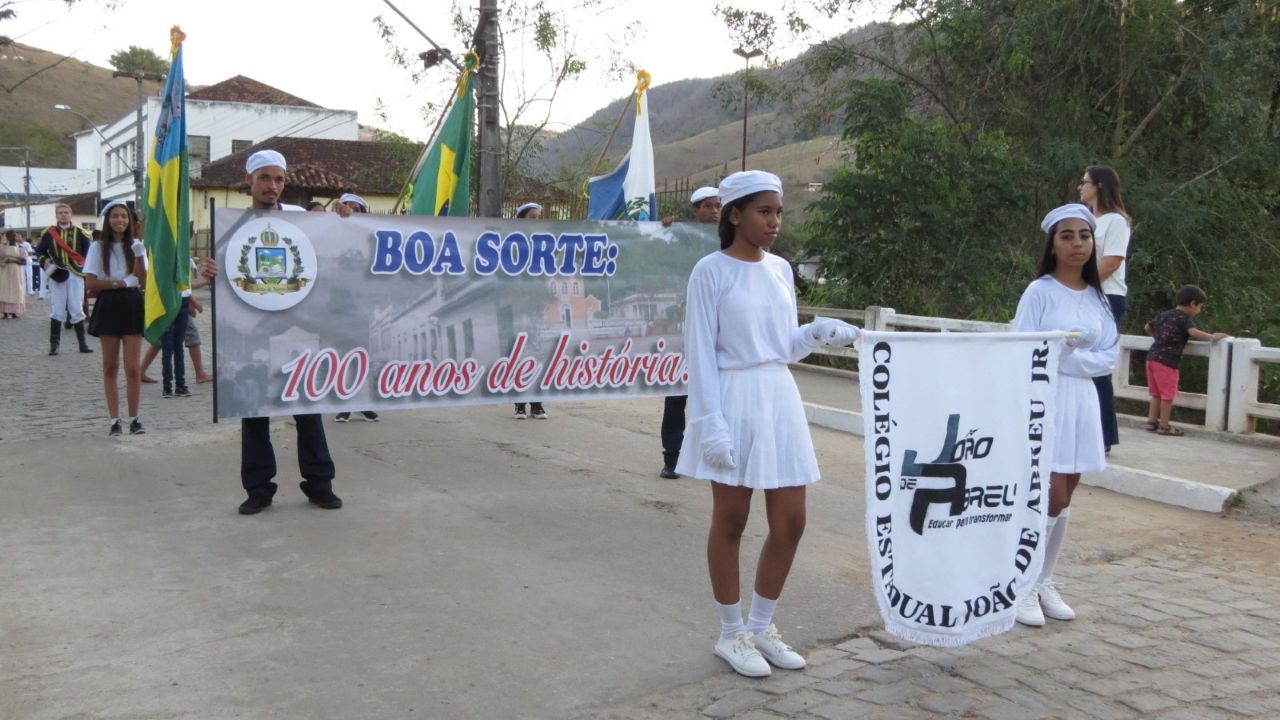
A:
488	568
1200	471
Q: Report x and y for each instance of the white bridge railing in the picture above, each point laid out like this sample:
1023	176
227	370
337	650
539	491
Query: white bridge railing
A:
1230	402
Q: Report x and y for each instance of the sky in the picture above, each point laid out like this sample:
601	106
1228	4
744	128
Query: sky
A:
330	52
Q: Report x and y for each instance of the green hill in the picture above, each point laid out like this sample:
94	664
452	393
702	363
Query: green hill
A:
32	81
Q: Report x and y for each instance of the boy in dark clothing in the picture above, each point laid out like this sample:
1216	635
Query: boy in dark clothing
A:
1171	330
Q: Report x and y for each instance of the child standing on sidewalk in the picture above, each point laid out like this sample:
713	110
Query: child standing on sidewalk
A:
1171	330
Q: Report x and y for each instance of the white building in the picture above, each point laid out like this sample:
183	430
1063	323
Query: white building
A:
221	119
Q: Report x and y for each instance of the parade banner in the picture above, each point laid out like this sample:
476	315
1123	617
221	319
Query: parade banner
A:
959	430
320	313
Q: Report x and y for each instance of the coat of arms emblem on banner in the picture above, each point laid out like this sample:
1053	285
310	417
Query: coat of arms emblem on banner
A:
270	263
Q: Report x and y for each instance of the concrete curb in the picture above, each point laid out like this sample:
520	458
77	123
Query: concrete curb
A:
1117	478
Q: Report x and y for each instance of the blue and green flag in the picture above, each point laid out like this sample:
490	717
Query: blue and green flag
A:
442	185
166	204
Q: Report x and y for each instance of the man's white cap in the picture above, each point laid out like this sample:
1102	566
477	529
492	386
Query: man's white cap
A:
748	182
354	198
264	158
527	206
1071	210
703	193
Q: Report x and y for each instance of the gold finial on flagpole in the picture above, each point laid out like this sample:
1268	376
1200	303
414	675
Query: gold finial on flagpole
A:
176	36
643	78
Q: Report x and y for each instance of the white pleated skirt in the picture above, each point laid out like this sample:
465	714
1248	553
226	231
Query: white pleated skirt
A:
770	434
1078	445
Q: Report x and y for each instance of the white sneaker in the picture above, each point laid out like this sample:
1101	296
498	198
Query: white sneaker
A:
742	656
1052	604
1029	612
780	654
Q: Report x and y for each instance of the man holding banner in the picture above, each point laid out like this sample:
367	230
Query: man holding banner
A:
265	175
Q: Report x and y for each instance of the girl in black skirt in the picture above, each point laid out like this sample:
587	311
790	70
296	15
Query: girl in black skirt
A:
113	269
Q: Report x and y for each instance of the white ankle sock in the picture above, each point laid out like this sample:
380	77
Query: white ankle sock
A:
1056	531
761	615
730	619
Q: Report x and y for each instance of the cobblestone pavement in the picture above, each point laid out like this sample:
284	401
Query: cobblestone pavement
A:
1179	611
69	385
1161	638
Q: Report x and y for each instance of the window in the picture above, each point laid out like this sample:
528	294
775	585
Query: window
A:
238	145
576	293
197	150
564	289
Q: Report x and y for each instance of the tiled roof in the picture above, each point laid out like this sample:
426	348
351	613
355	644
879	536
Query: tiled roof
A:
247	90
373	167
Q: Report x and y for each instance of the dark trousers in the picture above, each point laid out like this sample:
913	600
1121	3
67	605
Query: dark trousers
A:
673	427
172	365
258	458
1106	391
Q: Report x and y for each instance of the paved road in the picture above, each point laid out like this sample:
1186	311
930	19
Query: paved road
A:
489	568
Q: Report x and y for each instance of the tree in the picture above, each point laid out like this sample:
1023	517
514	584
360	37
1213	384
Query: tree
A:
544	40
138	59
968	120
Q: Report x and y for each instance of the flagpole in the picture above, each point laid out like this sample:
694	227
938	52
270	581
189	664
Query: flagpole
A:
625	107
425	150
213	309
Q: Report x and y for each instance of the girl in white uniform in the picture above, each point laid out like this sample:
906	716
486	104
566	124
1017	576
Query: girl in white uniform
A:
112	268
1067	296
747	427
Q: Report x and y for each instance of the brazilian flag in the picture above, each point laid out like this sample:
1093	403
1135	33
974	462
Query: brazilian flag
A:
442	185
166	204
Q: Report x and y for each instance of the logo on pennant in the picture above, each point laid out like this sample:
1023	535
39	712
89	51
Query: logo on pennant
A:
956	496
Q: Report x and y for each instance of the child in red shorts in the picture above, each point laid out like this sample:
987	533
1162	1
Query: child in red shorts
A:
1171	330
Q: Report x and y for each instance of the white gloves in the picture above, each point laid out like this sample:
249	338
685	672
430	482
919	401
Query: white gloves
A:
717	448
1081	338
131	281
833	332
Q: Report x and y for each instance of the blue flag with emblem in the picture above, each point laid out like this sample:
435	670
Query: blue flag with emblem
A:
167	204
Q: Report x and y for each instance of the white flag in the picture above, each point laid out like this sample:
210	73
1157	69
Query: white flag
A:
959	430
639	189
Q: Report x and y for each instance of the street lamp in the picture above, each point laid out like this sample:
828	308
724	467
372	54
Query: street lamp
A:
105	141
746	55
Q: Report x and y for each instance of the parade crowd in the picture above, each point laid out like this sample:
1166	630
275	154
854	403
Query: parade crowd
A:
746	428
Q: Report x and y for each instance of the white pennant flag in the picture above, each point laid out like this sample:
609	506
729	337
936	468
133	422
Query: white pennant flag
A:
959	430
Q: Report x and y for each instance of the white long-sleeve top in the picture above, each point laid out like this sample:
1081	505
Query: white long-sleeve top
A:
1047	305
738	315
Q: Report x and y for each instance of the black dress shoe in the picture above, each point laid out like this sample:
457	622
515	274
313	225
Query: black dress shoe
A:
325	499
669	473
254	505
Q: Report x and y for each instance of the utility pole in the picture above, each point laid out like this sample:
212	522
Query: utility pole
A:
26	186
139	151
26	179
487	102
